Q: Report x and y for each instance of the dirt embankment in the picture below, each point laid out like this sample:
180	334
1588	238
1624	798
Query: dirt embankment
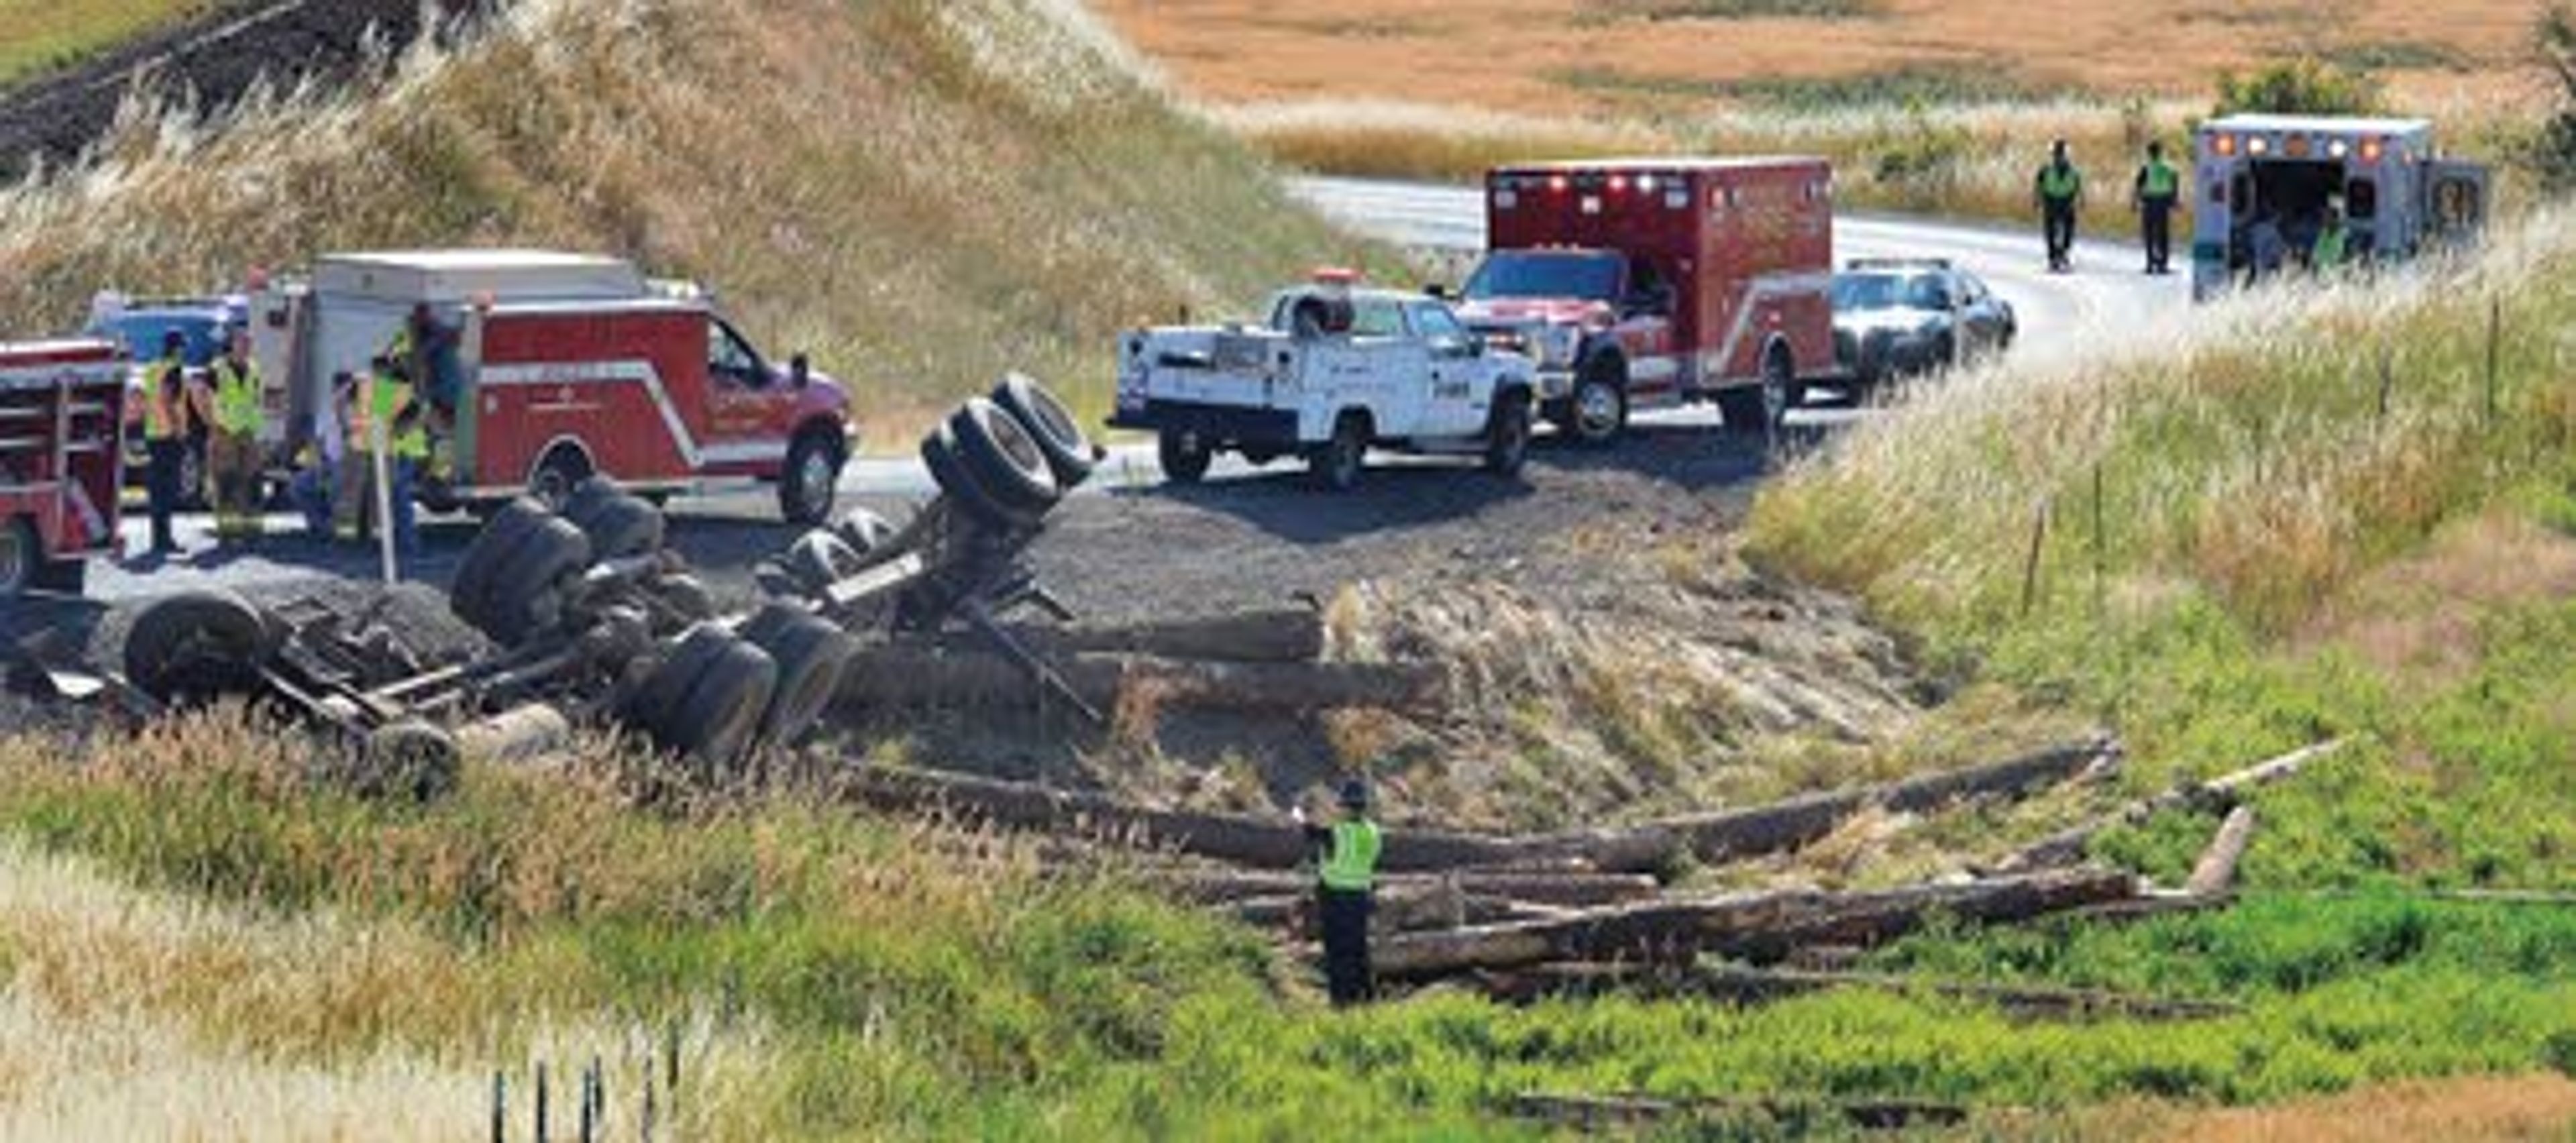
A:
214	60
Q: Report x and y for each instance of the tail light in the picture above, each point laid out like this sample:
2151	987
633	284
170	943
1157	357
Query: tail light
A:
2224	145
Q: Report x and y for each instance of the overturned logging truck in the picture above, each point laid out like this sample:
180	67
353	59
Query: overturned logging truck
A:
599	624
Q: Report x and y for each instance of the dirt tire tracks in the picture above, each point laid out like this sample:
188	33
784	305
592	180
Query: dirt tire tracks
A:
214	60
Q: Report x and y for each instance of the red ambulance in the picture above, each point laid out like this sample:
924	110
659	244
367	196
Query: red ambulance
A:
1647	283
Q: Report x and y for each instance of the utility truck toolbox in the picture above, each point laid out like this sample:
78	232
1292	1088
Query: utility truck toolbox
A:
1647	283
2264	185
62	418
542	368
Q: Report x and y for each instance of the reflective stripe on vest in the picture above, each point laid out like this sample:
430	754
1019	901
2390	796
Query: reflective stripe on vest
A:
2162	180
237	407
162	396
2060	182
387	398
1352	864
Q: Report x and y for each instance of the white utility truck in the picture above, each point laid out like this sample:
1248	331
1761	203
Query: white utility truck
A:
1335	371
2262	186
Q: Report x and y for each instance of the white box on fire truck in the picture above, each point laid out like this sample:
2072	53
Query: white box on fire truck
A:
553	366
1645	283
2267	180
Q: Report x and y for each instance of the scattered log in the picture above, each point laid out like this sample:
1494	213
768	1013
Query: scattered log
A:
516	736
2215	872
2067	846
1243	839
1577	889
1752	925
1784	826
1413	908
1277	635
1591	1113
1747	986
912	676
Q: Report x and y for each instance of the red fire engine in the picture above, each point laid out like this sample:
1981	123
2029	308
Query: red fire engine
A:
61	461
1646	283
550	367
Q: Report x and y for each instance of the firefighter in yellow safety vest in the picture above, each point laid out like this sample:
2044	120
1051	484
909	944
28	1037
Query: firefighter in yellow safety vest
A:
1346	891
170	413
388	397
2157	191
233	458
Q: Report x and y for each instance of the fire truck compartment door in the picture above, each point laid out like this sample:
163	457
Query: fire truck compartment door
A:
2455	201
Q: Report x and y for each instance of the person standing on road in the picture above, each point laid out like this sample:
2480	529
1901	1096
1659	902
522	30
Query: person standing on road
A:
233	459
166	420
2158	190
1345	891
2059	190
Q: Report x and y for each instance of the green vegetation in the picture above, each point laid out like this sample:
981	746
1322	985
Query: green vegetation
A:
2303	86
2551	152
921	194
40	35
1920	87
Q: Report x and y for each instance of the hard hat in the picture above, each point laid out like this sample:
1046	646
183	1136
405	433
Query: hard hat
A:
1355	794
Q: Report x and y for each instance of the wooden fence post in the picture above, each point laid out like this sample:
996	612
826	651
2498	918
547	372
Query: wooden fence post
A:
2387	381
2030	569
2495	343
541	1101
500	1107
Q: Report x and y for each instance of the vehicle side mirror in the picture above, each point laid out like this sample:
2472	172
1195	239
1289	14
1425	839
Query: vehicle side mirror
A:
800	370
1436	290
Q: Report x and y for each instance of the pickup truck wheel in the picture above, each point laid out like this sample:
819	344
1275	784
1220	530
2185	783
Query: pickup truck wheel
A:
1599	406
1184	455
20	552
524	598
1050	424
1003	457
811	480
812	655
195	647
1507	439
507	530
1339	463
558	476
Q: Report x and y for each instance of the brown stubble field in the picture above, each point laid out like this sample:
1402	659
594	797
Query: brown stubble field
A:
1578	57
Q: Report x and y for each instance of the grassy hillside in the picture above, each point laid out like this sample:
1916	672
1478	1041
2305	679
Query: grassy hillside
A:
40	34
922	194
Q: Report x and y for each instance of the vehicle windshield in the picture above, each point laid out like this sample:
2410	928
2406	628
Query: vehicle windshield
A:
1862	293
1533	274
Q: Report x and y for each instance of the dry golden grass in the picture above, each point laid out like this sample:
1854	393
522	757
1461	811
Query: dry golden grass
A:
2538	1108
922	194
1559	57
2420	618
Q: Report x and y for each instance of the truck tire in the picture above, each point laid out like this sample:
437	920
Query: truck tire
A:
563	470
1507	435
821	558
502	535
618	525
1004	457
720	718
668	683
1183	454
864	530
811	655
1051	425
524	599
1338	464
21	552
193	648
939	452
1596	413
811	481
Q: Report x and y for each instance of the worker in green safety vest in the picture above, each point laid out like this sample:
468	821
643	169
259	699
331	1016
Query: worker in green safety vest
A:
1345	891
2157	192
388	397
233	459
2059	190
2333	246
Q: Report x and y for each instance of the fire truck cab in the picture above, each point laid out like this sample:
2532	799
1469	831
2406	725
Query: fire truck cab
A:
2265	182
62	460
1647	283
545	368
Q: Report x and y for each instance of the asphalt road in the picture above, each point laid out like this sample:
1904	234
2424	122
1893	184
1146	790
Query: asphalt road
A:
2106	298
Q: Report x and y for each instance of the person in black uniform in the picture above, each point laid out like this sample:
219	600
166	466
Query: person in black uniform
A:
2059	190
